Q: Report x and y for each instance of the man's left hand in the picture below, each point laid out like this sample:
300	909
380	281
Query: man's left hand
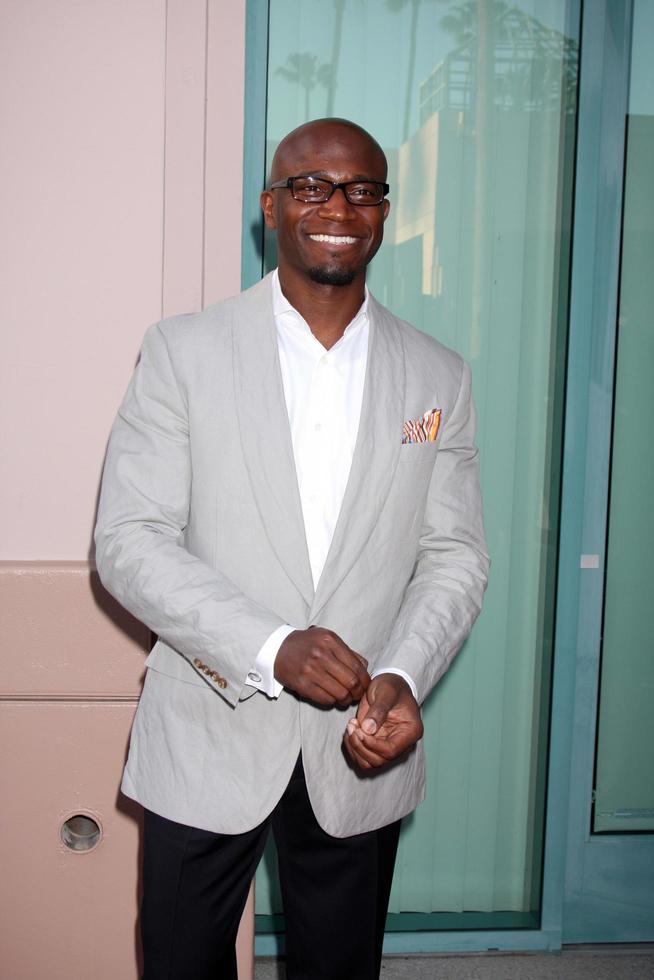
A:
387	723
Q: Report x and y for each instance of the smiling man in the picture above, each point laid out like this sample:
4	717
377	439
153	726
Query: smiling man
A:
291	503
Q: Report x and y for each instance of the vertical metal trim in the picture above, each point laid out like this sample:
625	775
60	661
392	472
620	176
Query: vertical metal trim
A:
603	90
254	138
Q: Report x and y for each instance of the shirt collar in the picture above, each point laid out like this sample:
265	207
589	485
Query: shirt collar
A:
281	306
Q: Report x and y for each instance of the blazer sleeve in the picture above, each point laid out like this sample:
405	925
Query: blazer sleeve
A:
444	595
143	511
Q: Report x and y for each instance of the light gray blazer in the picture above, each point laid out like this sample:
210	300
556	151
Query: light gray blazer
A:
200	535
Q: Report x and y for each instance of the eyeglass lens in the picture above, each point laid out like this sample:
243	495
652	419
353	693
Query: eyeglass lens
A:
315	190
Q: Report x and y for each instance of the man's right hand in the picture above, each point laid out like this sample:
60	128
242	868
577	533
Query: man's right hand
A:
320	667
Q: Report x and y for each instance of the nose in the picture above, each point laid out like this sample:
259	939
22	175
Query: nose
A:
337	206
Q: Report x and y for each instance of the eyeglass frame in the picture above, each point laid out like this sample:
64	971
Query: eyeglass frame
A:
336	185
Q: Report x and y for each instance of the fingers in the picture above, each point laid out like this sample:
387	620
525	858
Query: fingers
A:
331	666
388	724
318	665
368	752
349	667
361	757
372	751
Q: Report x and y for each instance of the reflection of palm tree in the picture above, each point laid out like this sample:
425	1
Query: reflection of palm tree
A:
396	6
336	54
302	69
462	21
527	63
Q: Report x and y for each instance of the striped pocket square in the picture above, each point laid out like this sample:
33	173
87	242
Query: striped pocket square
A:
422	430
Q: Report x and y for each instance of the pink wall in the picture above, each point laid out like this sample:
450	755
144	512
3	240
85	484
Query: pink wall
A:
103	108
120	202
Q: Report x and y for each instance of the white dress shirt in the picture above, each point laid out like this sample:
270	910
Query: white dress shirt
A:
323	390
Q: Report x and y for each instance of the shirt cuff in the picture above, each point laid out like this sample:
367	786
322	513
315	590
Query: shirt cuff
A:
400	673
262	674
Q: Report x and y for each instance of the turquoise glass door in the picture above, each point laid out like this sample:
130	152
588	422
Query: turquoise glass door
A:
624	771
607	519
475	106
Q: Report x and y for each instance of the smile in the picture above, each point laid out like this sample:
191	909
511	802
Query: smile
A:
334	239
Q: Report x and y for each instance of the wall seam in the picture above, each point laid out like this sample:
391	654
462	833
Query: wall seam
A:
163	161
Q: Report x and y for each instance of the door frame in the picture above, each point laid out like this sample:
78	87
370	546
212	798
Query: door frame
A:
607	890
574	860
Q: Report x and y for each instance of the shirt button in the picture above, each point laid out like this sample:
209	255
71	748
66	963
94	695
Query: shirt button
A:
253	676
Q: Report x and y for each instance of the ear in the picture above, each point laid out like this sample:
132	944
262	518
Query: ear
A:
267	202
386	207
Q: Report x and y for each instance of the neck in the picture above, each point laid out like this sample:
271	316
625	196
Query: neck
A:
327	309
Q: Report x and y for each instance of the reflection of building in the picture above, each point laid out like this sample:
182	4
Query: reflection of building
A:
422	172
530	67
479	171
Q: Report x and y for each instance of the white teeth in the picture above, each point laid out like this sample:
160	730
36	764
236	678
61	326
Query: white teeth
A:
334	239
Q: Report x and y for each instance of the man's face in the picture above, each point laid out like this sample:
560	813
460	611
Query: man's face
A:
332	242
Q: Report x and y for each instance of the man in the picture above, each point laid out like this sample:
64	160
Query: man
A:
290	502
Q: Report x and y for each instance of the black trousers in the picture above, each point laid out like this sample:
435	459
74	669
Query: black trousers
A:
335	893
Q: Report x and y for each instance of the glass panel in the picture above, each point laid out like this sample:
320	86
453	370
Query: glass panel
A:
624	788
474	104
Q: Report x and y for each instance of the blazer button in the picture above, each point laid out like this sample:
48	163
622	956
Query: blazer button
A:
222	683
198	662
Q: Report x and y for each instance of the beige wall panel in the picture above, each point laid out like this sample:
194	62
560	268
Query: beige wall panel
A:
68	914
82	108
103	226
224	149
103	109
64	636
186	50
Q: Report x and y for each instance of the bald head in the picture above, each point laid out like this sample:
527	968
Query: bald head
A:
319	140
326	243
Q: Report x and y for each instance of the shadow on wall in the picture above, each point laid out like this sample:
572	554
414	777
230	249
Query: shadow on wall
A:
132	629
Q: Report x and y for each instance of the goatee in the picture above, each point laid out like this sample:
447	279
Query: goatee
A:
327	276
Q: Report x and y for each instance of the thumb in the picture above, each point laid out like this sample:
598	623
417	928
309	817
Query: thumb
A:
379	706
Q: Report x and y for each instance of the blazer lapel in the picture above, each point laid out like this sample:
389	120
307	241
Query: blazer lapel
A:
265	433
376	452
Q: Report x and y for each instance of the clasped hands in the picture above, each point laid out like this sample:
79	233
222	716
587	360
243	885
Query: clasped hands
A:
320	667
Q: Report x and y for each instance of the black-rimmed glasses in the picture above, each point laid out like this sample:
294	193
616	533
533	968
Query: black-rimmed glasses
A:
317	190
